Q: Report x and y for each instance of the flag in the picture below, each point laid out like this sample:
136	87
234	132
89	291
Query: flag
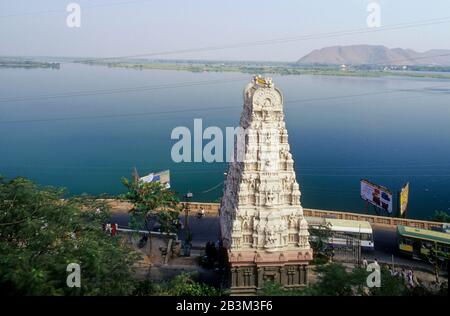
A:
404	197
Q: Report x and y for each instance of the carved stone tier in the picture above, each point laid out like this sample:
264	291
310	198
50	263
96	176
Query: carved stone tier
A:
262	223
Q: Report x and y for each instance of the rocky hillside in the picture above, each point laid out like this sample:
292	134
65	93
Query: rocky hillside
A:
376	55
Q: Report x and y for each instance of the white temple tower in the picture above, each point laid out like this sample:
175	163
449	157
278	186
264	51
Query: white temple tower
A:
262	225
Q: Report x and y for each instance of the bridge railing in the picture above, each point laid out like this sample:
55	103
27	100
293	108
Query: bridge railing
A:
213	209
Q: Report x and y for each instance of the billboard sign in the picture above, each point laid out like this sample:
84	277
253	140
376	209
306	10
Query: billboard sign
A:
162	177
404	197
376	195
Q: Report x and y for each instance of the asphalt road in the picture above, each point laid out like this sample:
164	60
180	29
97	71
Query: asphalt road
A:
207	229
203	229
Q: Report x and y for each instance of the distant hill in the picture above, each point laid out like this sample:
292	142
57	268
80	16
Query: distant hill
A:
376	55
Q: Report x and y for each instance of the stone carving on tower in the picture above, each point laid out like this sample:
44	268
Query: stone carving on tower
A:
262	225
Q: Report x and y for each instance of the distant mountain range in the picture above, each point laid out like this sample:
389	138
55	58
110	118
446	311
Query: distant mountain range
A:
376	55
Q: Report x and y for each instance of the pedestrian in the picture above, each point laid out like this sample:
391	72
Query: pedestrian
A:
394	272
391	270
201	213
114	229
108	228
410	277
364	263
375	262
403	275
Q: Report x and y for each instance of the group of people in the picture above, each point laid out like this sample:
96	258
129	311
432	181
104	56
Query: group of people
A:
111	228
365	263
406	275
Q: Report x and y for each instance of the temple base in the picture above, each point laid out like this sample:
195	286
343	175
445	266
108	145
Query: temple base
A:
248	278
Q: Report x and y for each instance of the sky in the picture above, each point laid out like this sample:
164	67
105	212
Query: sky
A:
126	27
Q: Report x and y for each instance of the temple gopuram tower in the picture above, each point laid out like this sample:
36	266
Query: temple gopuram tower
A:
263	229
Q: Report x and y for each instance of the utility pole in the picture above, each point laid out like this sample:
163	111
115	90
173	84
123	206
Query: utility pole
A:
359	247
187	199
436	263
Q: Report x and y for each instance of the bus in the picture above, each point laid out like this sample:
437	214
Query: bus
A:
343	231
423	244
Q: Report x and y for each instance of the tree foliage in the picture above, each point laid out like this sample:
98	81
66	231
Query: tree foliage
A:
390	285
152	200
320	236
336	280
441	216
41	233
181	285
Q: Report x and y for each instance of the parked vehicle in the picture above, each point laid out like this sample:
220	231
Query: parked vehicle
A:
423	244
344	231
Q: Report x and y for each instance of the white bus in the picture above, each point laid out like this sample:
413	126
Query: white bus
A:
345	231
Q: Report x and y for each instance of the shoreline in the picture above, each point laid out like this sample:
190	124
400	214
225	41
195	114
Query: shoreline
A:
283	70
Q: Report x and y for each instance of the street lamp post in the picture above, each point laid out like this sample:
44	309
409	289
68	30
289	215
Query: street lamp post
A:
359	247
187	199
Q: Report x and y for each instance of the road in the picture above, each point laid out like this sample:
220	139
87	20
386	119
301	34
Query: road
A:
203	229
207	229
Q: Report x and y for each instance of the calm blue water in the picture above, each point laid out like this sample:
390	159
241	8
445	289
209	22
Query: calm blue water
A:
389	137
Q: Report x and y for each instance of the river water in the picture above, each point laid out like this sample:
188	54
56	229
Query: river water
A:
84	127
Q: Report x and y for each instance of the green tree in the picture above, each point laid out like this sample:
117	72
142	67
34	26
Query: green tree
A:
181	285
336	280
441	216
41	233
184	285
320	236
390	285
152	200
333	280
275	289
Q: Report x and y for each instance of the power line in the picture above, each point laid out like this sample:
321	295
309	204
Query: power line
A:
381	167
211	188
283	40
218	170
83	93
84	7
207	109
114	115
358	95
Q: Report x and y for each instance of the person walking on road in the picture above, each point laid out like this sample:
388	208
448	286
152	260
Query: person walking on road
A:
410	277
364	263
201	213
114	228
375	262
